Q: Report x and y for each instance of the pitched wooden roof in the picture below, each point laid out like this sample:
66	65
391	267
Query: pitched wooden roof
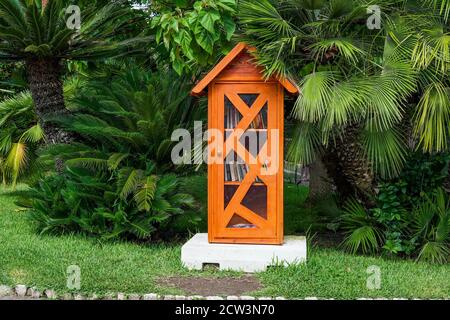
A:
198	90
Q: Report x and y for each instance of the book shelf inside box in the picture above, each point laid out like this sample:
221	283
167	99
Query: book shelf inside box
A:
253	139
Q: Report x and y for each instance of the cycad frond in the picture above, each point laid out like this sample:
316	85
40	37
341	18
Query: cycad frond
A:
28	31
34	134
128	181
145	193
16	161
115	160
95	164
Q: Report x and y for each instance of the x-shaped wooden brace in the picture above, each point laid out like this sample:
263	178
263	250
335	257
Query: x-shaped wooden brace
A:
254	164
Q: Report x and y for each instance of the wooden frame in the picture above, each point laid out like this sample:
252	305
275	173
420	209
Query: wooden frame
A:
249	209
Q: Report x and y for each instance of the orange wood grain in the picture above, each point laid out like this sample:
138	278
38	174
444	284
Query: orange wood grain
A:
237	74
246	70
267	230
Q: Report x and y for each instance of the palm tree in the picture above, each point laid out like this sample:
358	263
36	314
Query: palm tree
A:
127	118
21	135
35	31
364	93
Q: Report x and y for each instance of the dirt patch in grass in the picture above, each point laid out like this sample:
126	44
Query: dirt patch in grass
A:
213	286
328	240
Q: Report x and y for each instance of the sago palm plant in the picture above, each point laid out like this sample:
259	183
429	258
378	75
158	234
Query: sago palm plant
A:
21	135
117	182
82	200
128	119
37	33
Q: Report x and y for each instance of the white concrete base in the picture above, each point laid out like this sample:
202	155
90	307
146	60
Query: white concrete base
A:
242	257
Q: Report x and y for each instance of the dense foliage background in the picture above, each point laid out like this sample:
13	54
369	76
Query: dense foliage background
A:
86	116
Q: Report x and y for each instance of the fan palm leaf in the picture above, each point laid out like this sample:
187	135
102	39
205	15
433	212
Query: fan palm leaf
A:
363	233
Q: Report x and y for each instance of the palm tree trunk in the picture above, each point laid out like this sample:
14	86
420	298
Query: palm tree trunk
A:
320	186
47	92
348	166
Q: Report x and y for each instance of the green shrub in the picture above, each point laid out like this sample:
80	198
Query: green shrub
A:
431	228
119	179
124	205
423	232
410	215
363	232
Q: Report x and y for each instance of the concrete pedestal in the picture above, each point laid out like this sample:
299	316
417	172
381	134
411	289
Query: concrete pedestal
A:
242	257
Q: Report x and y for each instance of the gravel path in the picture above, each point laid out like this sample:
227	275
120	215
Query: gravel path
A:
17	298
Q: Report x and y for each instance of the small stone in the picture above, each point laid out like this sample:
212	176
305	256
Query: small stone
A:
150	296
264	298
79	297
134	297
121	296
6	291
50	294
214	298
232	298
67	296
247	298
180	297
34	293
280	298
93	297
195	298
169	297
109	296
21	290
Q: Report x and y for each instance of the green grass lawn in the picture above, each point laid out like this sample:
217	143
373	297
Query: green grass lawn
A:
42	261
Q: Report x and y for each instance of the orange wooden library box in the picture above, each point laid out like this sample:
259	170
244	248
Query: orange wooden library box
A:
245	197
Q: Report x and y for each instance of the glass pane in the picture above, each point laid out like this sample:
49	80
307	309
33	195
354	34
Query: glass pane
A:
248	98
256	199
260	121
232	115
229	191
254	141
235	168
237	222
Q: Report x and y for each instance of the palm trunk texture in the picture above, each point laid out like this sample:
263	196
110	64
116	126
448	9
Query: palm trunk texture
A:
47	92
